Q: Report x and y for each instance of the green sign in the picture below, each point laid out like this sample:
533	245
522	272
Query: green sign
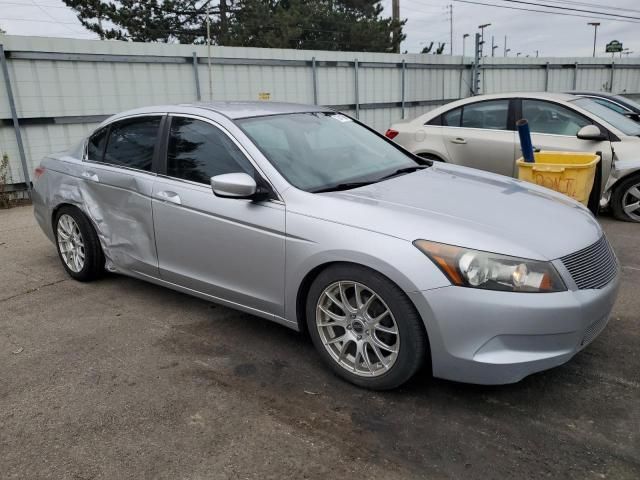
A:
614	46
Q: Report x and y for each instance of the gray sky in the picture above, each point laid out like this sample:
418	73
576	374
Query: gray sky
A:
551	35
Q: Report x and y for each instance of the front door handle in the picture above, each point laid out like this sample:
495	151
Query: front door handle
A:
89	175
458	140
169	196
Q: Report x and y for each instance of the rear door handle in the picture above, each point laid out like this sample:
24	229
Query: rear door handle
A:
89	175
458	140
169	196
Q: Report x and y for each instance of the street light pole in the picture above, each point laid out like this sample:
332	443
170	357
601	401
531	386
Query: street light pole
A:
482	27
464	39
595	26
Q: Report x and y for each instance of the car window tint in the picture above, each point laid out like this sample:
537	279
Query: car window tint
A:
452	118
435	121
131	142
547	117
613	106
491	115
95	145
198	151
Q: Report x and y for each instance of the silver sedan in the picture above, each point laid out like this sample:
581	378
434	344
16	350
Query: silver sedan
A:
308	218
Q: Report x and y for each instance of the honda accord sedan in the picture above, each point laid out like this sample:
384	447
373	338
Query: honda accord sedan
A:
308	218
480	132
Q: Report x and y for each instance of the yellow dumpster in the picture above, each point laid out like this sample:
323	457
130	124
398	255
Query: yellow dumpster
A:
571	173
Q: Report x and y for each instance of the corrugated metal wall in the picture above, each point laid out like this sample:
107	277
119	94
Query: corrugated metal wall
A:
62	87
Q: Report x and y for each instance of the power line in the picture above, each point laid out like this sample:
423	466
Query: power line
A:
535	4
545	11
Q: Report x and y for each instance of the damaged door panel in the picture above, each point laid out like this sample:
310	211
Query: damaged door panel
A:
118	181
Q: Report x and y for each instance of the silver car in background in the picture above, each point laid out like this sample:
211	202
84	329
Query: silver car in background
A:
480	132
308	218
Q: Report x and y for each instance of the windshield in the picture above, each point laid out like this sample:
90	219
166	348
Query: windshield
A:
622	123
320	150
628	101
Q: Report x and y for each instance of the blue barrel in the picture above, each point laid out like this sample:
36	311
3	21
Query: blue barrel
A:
525	140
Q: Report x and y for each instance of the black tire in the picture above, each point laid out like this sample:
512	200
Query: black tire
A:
618	197
413	341
93	266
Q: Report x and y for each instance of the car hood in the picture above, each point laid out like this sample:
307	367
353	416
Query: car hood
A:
464	207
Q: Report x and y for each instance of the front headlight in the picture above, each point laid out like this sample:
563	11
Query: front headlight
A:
477	269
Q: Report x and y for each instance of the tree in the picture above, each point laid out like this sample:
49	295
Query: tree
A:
320	24
438	51
182	21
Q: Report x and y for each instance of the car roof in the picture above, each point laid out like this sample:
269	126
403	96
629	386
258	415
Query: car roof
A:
233	110
587	92
541	95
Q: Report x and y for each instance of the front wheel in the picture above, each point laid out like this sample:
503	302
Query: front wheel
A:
365	328
625	201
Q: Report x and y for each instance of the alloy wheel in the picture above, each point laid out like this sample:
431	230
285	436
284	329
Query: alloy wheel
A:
71	243
357	328
631	202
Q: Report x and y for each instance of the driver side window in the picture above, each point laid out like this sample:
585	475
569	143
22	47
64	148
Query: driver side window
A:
551	118
198	151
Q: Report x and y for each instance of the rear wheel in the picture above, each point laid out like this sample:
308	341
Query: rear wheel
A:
365	328
625	201
78	245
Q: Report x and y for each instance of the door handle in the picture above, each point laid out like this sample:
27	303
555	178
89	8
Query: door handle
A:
90	176
169	196
458	140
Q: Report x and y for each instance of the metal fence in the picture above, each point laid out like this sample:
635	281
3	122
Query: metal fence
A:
54	90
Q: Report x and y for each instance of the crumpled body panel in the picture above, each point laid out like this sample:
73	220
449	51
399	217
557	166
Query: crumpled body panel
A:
116	200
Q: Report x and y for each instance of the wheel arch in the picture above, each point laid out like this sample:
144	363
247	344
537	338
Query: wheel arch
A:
305	285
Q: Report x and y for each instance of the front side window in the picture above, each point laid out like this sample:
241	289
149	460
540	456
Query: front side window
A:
131	142
551	118
198	151
320	150
492	114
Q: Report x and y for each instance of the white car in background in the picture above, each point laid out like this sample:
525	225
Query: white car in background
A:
480	132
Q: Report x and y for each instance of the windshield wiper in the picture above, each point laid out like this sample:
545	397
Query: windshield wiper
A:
343	186
402	171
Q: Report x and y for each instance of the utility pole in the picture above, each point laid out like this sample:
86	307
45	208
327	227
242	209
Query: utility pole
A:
464	38
223	20
475	82
595	26
451	29
505	46
493	47
395	15
209	53
482	27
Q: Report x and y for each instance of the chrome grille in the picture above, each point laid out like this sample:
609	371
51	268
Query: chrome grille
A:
592	267
594	330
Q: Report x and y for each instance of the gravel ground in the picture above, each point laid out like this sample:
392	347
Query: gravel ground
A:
123	379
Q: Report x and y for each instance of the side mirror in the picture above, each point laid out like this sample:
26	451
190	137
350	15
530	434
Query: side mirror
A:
234	185
633	116
591	132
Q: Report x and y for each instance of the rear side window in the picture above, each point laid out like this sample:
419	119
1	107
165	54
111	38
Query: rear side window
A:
452	118
131	142
95	145
492	115
198	151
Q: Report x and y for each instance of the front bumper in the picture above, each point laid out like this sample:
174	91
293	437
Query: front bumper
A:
490	337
